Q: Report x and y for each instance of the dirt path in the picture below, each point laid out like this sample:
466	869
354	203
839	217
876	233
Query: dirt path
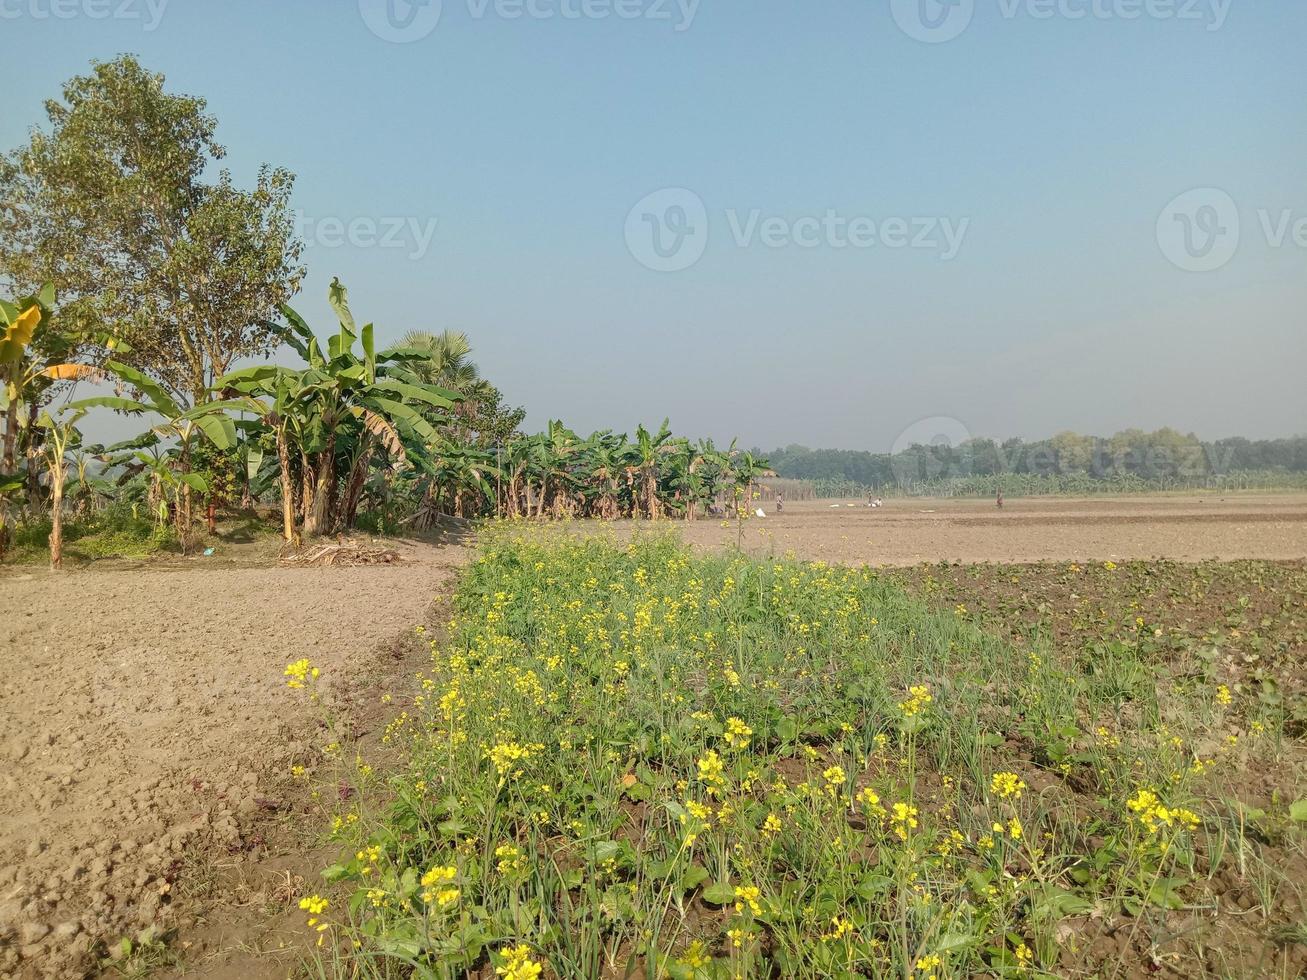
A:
1028	529
144	716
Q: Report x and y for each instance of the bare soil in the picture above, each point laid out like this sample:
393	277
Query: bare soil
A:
1028	529
145	719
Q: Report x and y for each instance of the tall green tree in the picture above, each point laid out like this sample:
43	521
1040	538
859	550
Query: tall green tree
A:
114	202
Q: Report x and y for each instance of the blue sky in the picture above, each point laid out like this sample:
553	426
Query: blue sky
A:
1052	146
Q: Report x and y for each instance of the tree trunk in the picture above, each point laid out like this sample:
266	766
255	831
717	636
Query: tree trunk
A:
57	516
321	515
33	451
287	487
9	462
183	514
306	488
651	495
358	476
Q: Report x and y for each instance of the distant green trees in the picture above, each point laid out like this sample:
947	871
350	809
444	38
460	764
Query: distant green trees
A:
1130	459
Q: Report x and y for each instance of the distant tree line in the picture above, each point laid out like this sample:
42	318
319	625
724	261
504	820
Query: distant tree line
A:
1131	459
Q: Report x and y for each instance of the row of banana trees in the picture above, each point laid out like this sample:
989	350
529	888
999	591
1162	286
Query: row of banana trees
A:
606	475
348	429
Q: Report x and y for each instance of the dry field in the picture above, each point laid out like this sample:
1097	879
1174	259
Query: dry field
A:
916	530
146	728
144	718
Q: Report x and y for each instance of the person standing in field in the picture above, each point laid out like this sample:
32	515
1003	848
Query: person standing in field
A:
999	499
780	502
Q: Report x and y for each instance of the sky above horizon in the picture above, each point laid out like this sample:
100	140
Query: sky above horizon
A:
852	224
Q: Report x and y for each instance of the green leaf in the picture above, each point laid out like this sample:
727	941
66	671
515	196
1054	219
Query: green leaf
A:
1298	811
335	873
253	460
1058	903
369	353
163	402
951	941
242	404
428	394
719	893
261	372
403	416
338	297
219	430
695	875
111	401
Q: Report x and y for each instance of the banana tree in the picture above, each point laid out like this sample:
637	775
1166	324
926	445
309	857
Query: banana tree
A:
458	484
62	435
34	357
606	457
332	416
649	450
86	488
179	428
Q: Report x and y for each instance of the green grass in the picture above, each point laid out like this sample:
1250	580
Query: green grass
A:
636	761
113	533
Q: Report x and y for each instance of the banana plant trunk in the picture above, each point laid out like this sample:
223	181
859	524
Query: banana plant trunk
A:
324	491
287	487
354	486
9	462
306	489
183	515
56	516
33	451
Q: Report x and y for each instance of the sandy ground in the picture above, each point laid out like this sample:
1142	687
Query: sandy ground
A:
144	714
911	531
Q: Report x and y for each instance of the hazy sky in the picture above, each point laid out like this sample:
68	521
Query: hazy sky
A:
883	211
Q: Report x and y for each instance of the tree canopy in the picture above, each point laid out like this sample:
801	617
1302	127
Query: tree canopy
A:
118	204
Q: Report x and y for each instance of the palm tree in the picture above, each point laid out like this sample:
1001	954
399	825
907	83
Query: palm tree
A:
448	361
